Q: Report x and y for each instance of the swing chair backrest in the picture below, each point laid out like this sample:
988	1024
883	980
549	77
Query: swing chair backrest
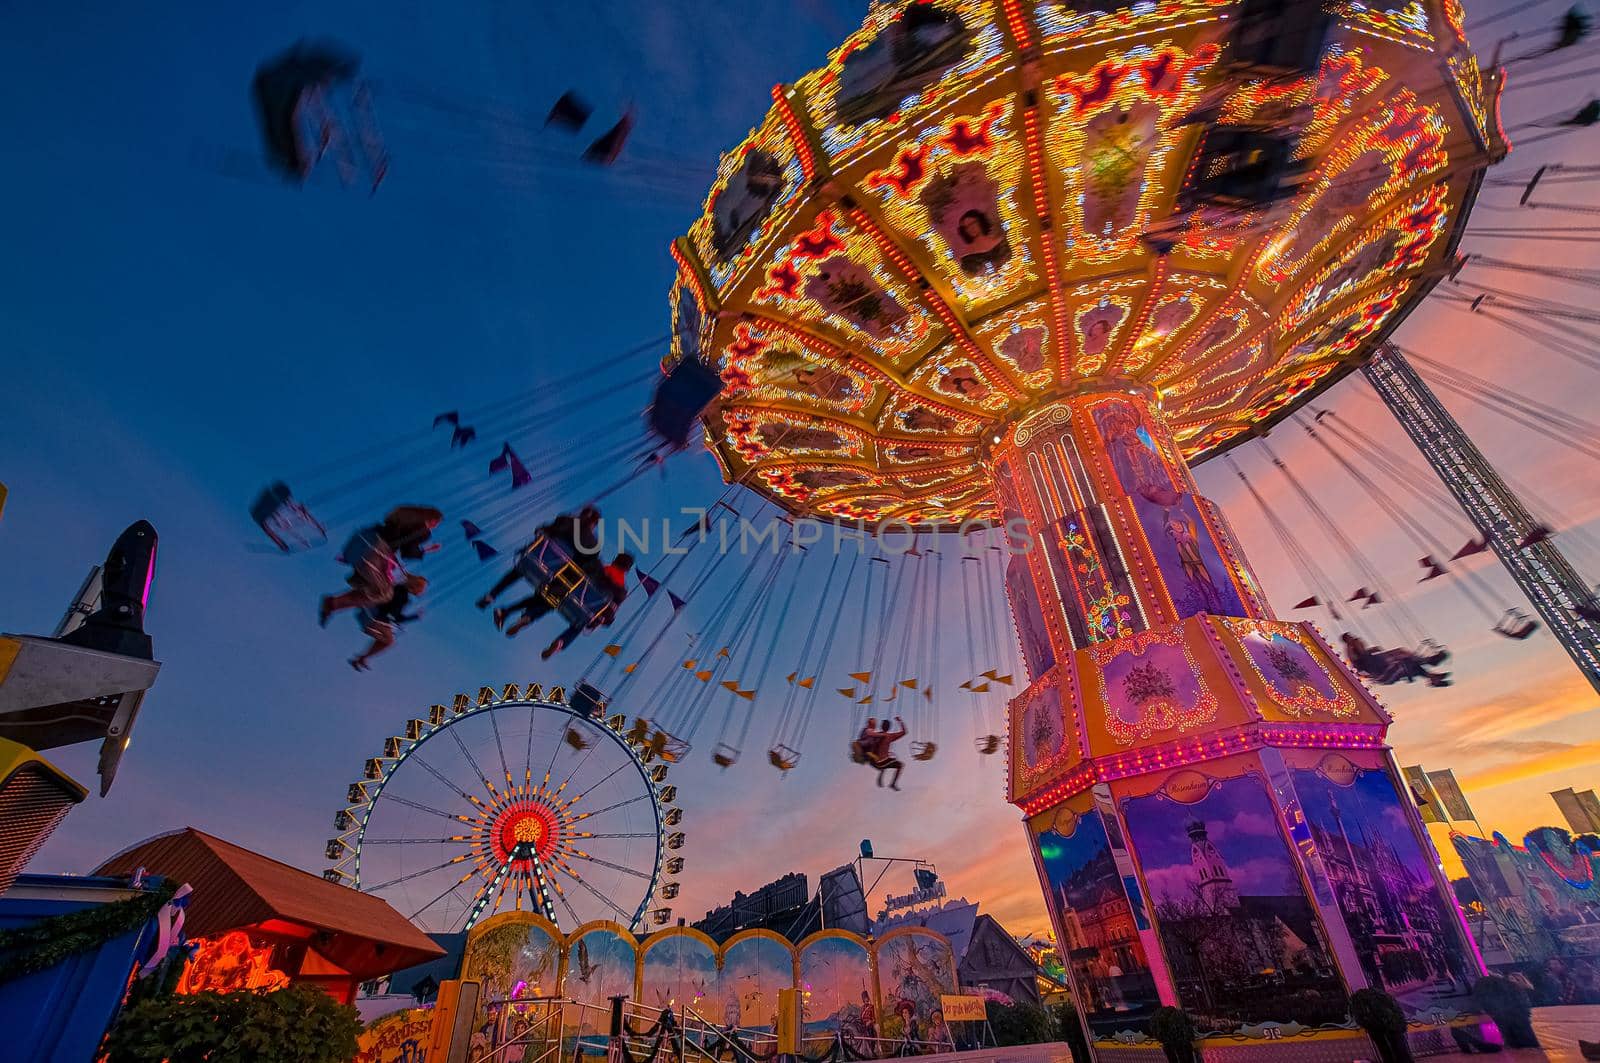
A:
924	750
724	755
553	567
782	757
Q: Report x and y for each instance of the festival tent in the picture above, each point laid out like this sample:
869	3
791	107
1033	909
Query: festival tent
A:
299	927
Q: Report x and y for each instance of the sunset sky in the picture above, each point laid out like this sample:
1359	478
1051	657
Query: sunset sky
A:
179	328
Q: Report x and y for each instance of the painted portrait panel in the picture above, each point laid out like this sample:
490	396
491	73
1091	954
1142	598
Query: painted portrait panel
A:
910	54
1038	656
1242	939
914	970
1096	932
753	970
1404	928
836	991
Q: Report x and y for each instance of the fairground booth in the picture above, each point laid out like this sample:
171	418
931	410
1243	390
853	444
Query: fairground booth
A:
261	924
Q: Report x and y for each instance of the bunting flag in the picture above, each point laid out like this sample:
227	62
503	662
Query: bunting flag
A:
967	685
790	678
1474	546
704	677
1361	592
629	670
612	650
1433	569
984	689
606	148
688	666
1003	680
649	583
730	684
485	551
893	693
450	417
462	436
520	477
472	530
927	693
722	652
807	682
733	685
1308	603
909	684
677	603
861	677
848	692
702	526
569	112
866	700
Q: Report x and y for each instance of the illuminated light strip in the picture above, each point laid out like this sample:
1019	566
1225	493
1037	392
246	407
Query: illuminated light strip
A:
797	133
1177	754
685	268
1063	339
1151	295
997	374
1017	23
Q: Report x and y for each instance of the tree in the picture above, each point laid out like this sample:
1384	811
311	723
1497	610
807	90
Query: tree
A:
300	1024
1019	1024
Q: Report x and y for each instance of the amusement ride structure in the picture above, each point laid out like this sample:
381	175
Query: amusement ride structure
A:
534	804
1023	263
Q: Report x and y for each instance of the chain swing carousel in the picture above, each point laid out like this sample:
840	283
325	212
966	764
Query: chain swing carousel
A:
1031	260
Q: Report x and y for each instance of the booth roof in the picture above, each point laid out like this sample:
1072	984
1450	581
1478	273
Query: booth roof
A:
235	889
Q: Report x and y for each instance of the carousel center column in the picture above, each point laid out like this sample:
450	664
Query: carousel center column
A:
1212	810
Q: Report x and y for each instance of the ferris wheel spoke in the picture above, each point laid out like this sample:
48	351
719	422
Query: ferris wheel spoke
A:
473	761
420	807
610	808
423	841
579	854
494	725
561	895
636	834
418	874
596	785
607	901
457	884
578	766
445	779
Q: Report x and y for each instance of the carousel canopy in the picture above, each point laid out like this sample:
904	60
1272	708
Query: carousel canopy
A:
977	205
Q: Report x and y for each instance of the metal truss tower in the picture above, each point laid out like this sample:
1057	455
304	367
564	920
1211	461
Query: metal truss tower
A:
1540	569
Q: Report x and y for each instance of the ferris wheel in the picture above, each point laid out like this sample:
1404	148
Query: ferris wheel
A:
512	800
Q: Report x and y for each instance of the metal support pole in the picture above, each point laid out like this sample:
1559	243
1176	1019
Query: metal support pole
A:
1552	585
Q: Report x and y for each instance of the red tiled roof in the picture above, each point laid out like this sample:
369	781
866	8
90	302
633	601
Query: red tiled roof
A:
235	888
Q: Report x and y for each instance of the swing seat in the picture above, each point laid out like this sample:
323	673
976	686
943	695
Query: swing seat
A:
1431	653
553	568
1516	625
923	750
724	755
782	757
289	524
857	754
575	739
988	744
667	747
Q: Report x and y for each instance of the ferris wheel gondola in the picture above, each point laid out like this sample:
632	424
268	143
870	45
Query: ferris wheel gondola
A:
577	830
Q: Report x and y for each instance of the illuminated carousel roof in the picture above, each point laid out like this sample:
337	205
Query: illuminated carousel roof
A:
947	223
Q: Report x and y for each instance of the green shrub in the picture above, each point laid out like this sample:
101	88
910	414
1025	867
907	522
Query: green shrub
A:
1070	1030
1508	1005
1020	1024
1380	1015
1176	1032
300	1024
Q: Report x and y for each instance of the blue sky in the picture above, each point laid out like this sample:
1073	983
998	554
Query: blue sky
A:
178	328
